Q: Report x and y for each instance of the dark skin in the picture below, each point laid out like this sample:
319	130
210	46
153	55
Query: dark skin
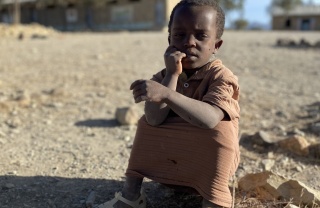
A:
192	43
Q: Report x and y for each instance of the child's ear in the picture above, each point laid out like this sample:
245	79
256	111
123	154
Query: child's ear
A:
217	45
169	39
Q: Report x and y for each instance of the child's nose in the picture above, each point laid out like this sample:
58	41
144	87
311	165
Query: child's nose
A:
190	41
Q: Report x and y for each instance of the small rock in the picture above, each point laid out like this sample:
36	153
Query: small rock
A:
127	116
282	114
55	105
8	186
58	92
291	206
24	100
299	168
280	127
127	138
298	132
265	123
286	42
48	122
296	144
267	164
304	43
317	44
263	137
90	133
270	155
12	173
2	134
13	123
315	128
4	107
313	113
99	56
2	141
90	199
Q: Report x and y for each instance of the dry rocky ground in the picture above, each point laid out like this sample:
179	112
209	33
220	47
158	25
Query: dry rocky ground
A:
59	137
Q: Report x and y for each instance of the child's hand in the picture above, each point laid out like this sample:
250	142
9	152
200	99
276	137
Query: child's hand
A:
148	90
172	59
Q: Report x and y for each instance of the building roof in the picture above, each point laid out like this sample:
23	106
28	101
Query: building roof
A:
12	1
298	11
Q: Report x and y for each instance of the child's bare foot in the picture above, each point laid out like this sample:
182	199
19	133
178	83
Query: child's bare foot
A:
208	204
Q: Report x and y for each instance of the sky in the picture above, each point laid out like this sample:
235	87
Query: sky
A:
255	11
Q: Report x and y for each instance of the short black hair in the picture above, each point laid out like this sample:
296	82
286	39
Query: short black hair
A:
211	3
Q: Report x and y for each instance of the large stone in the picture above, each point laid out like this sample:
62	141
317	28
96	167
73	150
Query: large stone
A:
296	144
269	186
127	116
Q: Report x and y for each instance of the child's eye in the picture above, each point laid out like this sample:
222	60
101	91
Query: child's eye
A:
178	35
201	36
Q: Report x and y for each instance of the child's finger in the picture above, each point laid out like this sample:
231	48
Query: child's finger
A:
136	83
170	50
144	98
140	99
181	55
138	93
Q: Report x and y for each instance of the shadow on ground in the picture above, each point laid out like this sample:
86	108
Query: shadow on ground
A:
98	123
57	192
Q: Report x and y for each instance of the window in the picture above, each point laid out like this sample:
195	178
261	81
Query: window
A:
288	23
306	24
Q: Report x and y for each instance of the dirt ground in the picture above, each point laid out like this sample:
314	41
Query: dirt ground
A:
59	138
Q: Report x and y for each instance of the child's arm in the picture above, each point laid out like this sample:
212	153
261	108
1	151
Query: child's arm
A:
152	92
157	111
196	112
160	98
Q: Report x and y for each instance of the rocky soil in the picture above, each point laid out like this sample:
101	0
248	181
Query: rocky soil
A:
59	137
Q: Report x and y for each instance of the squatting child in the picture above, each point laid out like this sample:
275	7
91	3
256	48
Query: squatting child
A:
189	134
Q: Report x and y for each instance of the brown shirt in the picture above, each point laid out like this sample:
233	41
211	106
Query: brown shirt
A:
213	83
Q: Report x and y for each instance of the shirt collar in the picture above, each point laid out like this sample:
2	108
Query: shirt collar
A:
201	73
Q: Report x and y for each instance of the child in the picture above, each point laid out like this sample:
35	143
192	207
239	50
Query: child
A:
189	134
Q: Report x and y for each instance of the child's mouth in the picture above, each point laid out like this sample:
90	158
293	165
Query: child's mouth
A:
189	55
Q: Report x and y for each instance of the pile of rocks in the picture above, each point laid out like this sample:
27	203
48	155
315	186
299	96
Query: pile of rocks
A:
25	31
288	42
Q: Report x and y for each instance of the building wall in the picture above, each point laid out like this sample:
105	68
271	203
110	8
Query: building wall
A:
119	15
296	23
137	15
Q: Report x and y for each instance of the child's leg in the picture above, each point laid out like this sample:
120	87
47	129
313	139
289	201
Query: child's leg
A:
132	187
130	191
208	204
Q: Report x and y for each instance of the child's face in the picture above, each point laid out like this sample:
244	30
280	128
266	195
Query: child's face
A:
193	32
